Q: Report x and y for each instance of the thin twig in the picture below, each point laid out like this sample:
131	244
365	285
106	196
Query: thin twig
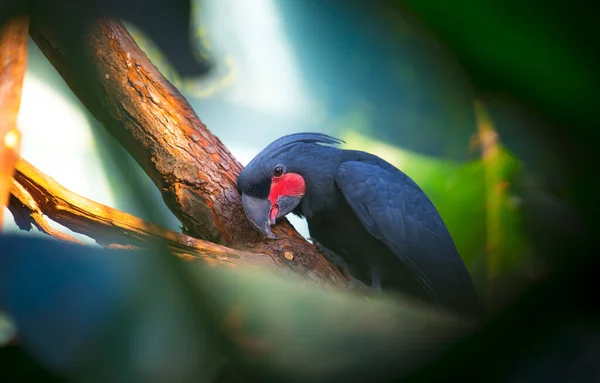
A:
35	195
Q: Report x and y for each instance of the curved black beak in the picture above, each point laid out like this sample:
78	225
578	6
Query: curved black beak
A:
258	211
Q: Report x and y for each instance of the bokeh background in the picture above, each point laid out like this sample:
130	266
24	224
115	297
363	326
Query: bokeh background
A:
376	77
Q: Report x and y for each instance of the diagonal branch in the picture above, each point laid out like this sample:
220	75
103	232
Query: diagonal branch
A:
35	195
191	167
27	213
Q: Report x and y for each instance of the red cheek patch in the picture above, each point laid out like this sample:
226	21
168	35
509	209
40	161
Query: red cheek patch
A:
289	184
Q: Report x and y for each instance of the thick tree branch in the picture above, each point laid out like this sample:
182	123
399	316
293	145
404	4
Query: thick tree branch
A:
194	171
13	62
35	195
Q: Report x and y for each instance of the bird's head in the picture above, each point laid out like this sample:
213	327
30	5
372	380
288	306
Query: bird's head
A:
274	183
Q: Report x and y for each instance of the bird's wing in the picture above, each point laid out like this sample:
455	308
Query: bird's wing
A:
397	212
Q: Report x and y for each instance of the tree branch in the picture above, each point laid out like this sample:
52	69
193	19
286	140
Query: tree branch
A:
34	195
194	171
13	62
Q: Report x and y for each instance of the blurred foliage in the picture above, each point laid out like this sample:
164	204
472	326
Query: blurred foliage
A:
113	315
535	51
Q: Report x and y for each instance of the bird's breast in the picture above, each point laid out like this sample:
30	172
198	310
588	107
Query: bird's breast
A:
341	231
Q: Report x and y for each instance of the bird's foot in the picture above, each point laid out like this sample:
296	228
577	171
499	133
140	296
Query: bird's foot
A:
376	288
334	258
375	279
360	287
357	285
339	262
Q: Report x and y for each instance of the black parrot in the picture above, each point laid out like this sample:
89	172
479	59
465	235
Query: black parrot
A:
371	219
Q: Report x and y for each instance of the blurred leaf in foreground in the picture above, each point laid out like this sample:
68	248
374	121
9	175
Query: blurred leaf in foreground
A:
101	315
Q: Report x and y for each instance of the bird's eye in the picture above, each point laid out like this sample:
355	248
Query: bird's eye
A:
278	170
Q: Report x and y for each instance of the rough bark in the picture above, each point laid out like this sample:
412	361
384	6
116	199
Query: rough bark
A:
35	196
194	171
13	62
